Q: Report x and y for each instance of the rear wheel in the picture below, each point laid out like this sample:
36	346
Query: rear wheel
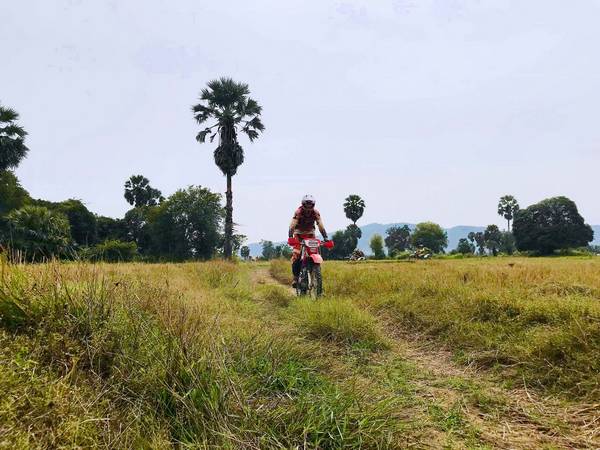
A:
316	280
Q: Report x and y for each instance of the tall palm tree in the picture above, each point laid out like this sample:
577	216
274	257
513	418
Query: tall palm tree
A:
12	139
508	207
228	103
354	207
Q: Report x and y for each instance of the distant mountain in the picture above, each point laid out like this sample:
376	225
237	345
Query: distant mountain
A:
454	234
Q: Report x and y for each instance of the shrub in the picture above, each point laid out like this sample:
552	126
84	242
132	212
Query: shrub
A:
38	232
114	251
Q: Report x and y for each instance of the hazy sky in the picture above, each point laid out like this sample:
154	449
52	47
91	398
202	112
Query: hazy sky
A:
430	110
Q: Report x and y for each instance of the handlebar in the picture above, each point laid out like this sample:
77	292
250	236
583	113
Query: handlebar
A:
295	241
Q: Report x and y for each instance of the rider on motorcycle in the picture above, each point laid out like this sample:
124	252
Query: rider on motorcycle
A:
303	227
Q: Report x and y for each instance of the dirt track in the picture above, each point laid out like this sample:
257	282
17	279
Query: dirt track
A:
503	417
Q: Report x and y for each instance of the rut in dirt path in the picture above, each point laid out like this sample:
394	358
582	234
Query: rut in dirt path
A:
503	418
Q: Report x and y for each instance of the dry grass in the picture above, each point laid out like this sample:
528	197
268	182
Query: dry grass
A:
155	356
536	320
216	355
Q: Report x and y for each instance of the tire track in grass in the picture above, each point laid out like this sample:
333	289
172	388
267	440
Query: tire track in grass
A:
467	406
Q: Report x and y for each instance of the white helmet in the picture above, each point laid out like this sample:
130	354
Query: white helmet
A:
308	199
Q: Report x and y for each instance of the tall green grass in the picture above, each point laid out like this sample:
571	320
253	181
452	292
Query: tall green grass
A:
338	321
155	356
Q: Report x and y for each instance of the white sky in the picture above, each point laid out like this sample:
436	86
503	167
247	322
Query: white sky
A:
430	110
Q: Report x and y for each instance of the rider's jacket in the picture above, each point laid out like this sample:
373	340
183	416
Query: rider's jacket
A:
304	221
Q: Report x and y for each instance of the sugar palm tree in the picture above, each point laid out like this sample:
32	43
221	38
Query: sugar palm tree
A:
229	105
12	139
507	208
354	207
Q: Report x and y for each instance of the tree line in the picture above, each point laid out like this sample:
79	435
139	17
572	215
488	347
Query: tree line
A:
192	224
186	225
543	228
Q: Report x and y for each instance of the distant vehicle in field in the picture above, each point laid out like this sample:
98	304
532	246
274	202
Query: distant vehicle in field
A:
357	255
421	253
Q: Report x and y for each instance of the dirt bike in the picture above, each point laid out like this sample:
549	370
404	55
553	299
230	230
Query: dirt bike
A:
356	256
310	281
421	253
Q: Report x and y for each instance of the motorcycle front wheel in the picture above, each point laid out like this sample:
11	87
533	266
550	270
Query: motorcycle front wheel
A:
303	283
316	280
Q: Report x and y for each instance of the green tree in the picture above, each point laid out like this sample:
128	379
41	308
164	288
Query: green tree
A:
286	252
114	251
237	242
12	195
507	243
39	232
479	239
268	249
282	251
185	226
550	225
245	252
430	235
108	228
340	248
12	139
81	221
139	193
493	238
397	239
352	234
465	247
354	207
507	208
228	103
376	245
135	224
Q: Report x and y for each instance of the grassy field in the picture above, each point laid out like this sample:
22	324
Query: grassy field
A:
535	320
458	354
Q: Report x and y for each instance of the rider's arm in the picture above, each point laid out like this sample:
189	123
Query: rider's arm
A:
321	227
292	227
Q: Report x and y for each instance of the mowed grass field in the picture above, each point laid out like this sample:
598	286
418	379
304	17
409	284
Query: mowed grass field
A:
478	353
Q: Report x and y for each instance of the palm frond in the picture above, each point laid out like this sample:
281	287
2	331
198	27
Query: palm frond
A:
252	134
224	92
201	137
8	114
255	123
252	107
13	131
228	104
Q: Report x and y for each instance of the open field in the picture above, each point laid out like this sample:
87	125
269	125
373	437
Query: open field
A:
497	353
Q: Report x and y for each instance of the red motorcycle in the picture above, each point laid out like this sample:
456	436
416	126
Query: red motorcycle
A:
310	281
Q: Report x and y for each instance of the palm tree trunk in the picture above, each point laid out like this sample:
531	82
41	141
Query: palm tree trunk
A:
508	220
228	220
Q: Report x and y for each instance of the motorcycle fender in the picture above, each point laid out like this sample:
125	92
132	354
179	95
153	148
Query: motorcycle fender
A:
317	259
